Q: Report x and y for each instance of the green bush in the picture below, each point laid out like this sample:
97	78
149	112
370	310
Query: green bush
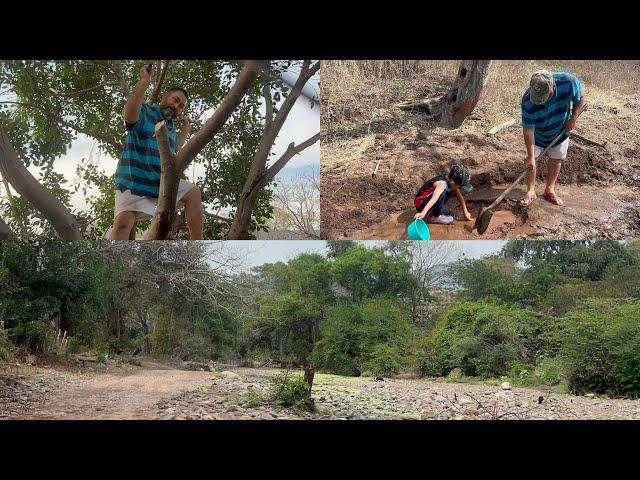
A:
290	391
482	339
601	347
384	359
373	336
253	397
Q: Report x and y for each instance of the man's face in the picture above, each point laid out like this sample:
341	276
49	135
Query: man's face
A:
173	102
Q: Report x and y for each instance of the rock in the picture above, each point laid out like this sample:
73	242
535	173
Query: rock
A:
506	386
228	374
590	395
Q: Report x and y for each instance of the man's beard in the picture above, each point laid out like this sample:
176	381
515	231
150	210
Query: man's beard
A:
167	113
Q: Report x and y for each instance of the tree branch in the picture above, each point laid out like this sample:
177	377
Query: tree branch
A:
213	125
169	182
116	66
42	199
16	212
90	89
5	231
292	150
156	90
268	102
98	136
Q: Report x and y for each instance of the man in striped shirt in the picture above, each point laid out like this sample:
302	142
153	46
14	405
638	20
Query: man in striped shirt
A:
138	173
548	107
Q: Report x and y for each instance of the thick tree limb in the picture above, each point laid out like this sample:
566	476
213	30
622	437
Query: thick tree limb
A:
457	104
172	166
98	136
5	231
158	86
226	108
42	199
169	181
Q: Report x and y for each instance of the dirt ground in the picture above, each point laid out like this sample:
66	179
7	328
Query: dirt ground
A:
154	390
600	185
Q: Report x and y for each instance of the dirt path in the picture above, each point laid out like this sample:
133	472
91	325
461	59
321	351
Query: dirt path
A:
121	395
600	185
156	391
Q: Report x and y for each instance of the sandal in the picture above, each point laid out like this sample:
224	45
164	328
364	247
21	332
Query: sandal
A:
527	200
553	198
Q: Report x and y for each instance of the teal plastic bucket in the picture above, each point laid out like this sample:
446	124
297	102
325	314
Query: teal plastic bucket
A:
418	230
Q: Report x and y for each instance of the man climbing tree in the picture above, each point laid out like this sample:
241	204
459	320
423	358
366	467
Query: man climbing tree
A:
137	178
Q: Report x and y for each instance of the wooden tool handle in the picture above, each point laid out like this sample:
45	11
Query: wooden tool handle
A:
526	170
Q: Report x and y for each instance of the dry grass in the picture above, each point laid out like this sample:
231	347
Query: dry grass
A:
358	96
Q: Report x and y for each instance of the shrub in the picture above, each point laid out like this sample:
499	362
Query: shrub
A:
385	360
601	347
482	339
253	397
6	347
290	391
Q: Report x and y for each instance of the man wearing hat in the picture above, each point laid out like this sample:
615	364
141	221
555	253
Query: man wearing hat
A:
435	192
547	108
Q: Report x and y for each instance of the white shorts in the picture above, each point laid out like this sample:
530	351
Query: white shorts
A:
144	207
559	152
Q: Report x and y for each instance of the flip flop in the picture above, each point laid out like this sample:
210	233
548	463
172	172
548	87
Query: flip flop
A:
527	200
553	198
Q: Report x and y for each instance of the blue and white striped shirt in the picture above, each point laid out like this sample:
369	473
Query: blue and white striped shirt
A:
139	166
549	118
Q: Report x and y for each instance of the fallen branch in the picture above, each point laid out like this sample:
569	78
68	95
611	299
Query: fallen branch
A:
501	127
588	141
376	169
337	189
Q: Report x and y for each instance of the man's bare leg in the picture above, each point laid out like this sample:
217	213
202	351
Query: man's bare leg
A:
122	225
553	170
194	213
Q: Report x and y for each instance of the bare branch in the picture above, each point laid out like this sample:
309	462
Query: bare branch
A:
12	204
292	150
90	89
158	86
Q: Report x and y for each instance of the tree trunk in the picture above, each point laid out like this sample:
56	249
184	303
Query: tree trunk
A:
259	176
172	166
42	199
5	231
457	104
169	182
309	372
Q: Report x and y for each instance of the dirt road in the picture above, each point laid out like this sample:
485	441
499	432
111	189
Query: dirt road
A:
156	391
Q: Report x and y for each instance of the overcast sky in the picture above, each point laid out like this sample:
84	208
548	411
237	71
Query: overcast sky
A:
258	252
303	122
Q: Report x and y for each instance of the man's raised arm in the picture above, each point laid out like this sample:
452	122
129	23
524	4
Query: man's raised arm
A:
134	102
